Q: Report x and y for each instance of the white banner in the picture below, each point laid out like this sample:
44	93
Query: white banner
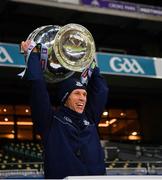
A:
68	1
147	177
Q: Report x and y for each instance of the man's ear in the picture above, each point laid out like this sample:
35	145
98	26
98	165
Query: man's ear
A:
66	103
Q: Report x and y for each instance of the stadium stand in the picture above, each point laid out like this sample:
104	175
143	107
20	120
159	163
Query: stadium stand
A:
130	159
21	160
25	159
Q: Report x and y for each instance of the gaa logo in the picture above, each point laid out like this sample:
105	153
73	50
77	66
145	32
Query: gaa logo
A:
4	56
126	65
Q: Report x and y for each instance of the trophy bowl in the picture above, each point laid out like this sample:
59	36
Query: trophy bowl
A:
71	48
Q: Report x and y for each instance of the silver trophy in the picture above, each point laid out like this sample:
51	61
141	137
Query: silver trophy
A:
71	48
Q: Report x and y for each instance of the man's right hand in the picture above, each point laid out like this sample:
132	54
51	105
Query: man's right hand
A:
25	45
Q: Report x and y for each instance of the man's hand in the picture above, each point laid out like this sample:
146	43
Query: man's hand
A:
25	46
87	73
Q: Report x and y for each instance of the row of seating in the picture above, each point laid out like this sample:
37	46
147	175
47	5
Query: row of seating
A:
29	150
21	160
132	152
28	156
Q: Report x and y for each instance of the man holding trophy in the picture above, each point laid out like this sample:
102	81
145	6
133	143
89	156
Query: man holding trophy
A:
69	135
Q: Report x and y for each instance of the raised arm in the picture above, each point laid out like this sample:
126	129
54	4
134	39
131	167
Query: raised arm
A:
40	101
97	96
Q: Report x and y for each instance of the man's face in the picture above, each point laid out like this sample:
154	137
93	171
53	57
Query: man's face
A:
77	100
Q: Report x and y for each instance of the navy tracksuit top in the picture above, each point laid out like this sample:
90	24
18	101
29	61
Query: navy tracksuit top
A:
71	142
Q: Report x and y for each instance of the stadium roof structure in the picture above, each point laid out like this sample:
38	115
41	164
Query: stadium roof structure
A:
133	32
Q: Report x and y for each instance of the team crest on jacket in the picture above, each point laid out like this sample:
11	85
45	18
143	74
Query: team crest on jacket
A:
86	123
67	119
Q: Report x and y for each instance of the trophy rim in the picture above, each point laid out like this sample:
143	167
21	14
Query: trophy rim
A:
86	59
